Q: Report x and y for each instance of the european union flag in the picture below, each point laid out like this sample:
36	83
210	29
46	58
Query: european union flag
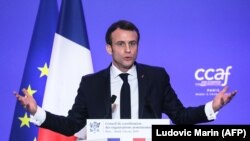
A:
36	68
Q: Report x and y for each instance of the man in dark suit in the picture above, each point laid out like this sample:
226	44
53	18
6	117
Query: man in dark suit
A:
150	90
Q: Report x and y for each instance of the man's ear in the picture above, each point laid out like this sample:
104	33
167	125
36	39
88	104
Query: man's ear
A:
109	49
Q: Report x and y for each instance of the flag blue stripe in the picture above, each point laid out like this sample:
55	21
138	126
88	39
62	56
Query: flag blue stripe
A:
113	139
72	22
39	54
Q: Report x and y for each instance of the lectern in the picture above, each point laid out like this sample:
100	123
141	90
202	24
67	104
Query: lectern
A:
122	129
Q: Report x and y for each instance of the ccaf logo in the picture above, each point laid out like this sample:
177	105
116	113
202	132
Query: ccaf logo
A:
212	76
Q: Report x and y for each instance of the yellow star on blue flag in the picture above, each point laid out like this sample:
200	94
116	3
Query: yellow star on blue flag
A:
30	91
24	120
44	70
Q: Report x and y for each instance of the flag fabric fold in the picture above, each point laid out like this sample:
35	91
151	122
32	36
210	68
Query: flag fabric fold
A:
58	57
70	60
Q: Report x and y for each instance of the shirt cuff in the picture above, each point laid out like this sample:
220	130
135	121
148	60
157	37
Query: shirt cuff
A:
39	116
211	115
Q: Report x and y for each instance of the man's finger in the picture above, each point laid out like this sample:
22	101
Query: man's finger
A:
16	94
224	90
25	93
19	97
232	94
22	99
222	101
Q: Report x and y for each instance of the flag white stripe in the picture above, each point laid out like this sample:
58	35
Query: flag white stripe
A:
69	62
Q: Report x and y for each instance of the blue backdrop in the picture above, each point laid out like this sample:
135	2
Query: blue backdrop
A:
202	44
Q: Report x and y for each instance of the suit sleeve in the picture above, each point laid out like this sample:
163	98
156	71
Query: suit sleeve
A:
173	107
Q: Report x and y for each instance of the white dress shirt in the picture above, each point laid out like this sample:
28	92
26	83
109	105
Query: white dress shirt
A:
116	85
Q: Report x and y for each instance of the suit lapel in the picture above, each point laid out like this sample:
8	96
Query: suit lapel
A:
107	92
142	85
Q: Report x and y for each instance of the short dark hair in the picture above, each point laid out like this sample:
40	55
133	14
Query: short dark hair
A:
122	24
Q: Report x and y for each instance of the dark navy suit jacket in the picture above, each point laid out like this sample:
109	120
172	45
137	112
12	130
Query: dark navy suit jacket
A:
93	101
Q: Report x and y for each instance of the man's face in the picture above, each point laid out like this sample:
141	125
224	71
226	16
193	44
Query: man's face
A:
124	48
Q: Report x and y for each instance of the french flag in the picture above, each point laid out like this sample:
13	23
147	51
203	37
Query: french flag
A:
70	60
58	57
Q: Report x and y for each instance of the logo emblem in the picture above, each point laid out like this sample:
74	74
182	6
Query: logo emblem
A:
212	77
95	127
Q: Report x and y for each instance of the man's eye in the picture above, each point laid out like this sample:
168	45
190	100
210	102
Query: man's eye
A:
120	44
134	43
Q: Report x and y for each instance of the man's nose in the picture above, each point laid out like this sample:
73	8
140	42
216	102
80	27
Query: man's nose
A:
127	48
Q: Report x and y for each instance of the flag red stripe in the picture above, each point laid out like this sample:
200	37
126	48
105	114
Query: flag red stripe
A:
48	135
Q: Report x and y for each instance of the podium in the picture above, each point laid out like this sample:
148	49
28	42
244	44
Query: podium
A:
122	129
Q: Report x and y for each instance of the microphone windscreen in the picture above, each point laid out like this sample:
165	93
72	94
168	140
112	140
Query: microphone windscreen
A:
113	98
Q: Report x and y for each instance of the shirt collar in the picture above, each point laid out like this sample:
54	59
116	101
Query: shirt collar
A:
115	71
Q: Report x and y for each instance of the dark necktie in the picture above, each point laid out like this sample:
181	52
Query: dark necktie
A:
125	112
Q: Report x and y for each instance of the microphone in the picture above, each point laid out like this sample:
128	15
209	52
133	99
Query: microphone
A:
111	101
113	98
113	106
